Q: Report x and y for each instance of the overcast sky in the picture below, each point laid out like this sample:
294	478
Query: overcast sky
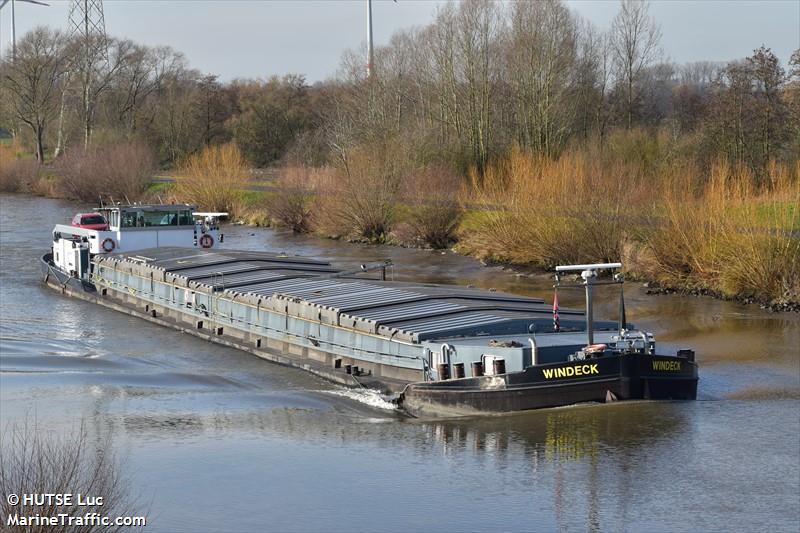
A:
258	38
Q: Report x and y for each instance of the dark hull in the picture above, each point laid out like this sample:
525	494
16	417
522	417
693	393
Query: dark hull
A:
626	377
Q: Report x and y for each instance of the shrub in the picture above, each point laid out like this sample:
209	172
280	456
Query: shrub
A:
16	173
213	179
35	462
292	204
119	172
359	200
434	210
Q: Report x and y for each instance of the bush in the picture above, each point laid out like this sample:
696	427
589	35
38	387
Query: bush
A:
292	205
16	173
434	210
35	462
213	179
118	172
359	200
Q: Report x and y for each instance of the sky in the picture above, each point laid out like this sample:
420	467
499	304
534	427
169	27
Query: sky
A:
259	38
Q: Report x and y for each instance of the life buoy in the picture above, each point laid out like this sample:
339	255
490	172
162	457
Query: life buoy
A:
108	244
206	241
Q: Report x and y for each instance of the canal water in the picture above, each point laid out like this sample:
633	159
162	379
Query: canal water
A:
213	439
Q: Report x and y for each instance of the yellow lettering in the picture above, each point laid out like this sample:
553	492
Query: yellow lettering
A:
667	366
570	371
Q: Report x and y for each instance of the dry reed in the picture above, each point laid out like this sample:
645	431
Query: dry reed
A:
733	238
535	210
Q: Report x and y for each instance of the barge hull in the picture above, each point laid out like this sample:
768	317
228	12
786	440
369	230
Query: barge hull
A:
76	288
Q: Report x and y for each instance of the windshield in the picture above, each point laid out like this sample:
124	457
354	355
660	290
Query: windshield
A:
93	219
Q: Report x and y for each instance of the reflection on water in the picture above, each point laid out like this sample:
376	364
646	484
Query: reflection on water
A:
220	440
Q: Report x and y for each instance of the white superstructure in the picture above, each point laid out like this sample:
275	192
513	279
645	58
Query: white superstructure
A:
134	227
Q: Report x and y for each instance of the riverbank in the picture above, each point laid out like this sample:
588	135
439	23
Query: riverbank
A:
729	234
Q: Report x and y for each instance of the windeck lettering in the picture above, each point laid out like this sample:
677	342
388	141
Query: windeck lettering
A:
570	371
668	366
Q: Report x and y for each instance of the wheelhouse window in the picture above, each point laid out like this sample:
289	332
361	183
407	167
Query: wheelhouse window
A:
130	219
149	219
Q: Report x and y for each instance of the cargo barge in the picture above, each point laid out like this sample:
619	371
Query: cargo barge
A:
439	350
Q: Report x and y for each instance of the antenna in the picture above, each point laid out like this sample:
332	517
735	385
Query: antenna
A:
14	22
589	275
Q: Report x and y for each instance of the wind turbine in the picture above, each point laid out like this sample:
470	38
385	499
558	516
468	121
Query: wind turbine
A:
14	22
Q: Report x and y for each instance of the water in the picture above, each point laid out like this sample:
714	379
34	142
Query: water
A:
214	439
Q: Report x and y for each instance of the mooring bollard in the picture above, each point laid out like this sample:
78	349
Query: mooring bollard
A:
477	369
458	370
443	369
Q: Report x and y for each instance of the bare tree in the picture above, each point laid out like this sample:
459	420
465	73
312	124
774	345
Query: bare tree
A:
542	59
97	70
635	38
33	80
477	26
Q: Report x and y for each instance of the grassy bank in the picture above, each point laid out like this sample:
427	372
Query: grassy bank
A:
722	231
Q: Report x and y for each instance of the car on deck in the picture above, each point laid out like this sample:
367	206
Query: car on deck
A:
94	221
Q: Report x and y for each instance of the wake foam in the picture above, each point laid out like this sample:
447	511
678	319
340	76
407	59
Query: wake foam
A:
370	397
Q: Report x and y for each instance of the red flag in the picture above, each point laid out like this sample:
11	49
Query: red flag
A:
556	325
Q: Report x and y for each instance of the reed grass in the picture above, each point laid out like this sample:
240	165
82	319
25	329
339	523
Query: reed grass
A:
724	230
735	237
